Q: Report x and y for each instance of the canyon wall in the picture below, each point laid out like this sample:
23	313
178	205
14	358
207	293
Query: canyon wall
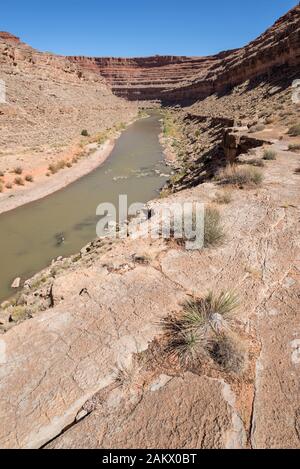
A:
177	79
49	100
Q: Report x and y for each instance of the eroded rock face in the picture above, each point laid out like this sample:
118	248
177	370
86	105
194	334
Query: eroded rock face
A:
175	415
236	142
51	99
174	79
8	37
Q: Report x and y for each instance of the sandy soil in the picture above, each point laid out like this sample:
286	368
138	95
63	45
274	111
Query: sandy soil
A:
47	185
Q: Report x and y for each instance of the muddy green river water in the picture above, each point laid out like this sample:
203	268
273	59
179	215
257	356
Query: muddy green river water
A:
31	235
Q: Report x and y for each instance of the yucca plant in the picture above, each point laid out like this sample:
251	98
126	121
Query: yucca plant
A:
185	345
209	312
189	335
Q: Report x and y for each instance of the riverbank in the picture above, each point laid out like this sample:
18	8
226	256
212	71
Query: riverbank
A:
48	185
44	182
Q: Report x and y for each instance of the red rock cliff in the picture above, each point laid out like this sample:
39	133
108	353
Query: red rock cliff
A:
175	79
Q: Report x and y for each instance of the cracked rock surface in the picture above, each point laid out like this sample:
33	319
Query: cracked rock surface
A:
82	373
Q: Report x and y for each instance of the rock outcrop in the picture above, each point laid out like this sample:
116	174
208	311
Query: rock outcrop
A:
10	38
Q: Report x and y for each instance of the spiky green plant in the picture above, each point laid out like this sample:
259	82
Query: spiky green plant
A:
209	312
223	304
186	345
189	335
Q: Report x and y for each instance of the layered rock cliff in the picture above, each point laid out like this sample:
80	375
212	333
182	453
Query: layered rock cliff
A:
175	79
51	99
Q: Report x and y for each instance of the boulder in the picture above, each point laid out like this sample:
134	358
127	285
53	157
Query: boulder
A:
16	283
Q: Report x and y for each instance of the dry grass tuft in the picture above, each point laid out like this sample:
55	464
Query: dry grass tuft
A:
213	229
294	147
294	131
245	175
223	198
270	155
19	181
18	170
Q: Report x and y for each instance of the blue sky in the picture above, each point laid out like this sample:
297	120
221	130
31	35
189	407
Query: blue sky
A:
139	27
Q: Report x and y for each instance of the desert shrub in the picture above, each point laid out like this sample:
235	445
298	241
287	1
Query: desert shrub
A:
256	128
256	162
192	334
294	147
121	126
8	185
54	167
29	178
269	155
1	174
19	313
18	170
84	133
60	164
297	171
1	187
142	113
19	181
101	139
69	164
240	175
294	130
213	230
223	198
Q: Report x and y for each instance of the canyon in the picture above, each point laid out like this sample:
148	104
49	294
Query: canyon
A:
176	79
87	356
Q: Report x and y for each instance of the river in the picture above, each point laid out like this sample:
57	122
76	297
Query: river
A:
62	223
